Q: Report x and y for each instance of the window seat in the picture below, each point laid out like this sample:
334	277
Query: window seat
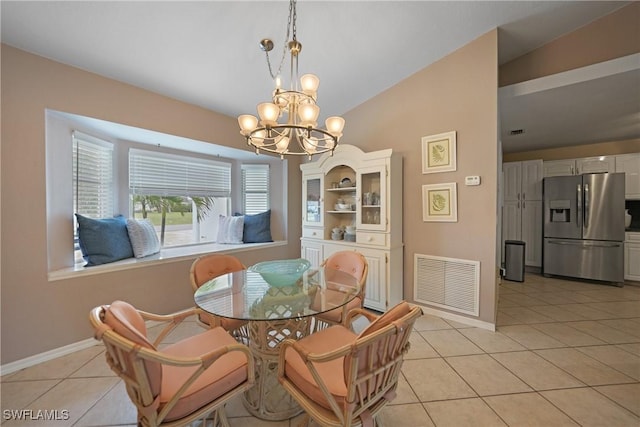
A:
173	254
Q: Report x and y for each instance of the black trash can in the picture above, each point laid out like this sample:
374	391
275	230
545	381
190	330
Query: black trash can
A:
514	260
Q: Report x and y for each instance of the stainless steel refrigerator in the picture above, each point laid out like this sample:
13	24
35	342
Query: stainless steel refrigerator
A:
584	226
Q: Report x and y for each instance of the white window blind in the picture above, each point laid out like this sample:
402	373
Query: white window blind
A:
93	193
162	174
255	188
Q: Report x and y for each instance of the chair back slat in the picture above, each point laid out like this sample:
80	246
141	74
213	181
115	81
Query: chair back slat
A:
373	367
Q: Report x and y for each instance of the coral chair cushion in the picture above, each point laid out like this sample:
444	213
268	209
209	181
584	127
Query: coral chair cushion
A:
332	372
208	267
335	316
397	312
347	261
125	320
226	373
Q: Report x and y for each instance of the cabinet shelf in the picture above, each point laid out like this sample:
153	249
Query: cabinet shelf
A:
342	189
342	212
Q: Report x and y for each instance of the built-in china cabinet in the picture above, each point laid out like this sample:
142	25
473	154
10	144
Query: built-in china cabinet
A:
352	200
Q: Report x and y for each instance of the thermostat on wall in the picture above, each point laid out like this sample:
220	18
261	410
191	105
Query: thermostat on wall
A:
472	180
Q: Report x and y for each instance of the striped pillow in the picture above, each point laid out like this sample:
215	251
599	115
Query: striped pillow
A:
144	239
230	229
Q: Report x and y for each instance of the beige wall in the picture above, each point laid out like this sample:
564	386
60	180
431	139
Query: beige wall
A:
38	315
459	93
575	152
613	36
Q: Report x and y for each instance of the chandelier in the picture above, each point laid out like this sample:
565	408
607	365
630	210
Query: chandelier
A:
297	133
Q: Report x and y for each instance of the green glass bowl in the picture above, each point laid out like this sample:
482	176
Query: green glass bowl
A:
281	272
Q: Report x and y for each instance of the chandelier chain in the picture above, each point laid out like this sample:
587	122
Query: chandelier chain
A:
292	13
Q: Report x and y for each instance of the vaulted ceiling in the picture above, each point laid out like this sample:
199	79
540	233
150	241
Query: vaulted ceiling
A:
206	52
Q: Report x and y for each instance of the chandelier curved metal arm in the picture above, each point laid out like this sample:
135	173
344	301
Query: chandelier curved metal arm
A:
298	134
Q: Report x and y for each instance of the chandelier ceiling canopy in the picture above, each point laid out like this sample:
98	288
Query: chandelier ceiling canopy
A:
287	125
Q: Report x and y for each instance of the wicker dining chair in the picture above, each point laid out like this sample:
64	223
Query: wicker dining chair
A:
354	264
208	267
183	382
342	379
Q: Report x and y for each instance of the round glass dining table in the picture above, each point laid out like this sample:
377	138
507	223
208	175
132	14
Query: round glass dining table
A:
273	314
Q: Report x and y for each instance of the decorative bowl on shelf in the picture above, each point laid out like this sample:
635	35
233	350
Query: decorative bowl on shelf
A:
284	272
344	206
345	182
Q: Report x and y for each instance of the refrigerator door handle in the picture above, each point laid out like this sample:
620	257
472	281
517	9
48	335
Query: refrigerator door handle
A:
587	201
579	205
584	244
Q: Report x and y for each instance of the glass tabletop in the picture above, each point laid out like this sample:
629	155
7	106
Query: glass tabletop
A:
246	295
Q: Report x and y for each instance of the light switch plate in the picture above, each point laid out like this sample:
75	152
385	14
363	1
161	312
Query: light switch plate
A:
472	180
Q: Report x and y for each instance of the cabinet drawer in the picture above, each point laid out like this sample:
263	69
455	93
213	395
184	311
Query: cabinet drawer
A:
378	239
313	233
632	237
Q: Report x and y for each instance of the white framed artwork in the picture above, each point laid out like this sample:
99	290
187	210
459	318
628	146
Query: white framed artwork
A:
440	202
439	152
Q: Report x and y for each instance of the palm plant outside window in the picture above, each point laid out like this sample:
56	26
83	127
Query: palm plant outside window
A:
182	196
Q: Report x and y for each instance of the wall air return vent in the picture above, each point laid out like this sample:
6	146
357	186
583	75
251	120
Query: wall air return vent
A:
449	283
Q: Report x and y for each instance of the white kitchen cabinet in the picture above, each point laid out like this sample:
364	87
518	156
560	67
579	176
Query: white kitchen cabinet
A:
362	190
511	221
512	180
630	165
559	168
532	175
596	164
632	256
522	180
522	207
579	166
532	232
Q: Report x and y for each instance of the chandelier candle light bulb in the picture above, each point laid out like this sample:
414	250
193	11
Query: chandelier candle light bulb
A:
309	84
300	134
268	113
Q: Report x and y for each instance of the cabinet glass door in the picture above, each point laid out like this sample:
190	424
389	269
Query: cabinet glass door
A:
312	200
372	197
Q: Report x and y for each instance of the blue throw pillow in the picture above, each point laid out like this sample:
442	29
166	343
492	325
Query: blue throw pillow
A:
103	240
257	228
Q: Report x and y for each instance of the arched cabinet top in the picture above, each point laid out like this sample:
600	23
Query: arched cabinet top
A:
347	155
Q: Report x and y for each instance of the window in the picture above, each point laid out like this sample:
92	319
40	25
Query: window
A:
255	188
92	176
182	196
93	189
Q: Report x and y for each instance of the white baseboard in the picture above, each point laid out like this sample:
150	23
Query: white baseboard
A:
461	319
27	362
12	367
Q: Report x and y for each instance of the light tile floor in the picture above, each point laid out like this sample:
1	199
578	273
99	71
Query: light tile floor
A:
566	353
